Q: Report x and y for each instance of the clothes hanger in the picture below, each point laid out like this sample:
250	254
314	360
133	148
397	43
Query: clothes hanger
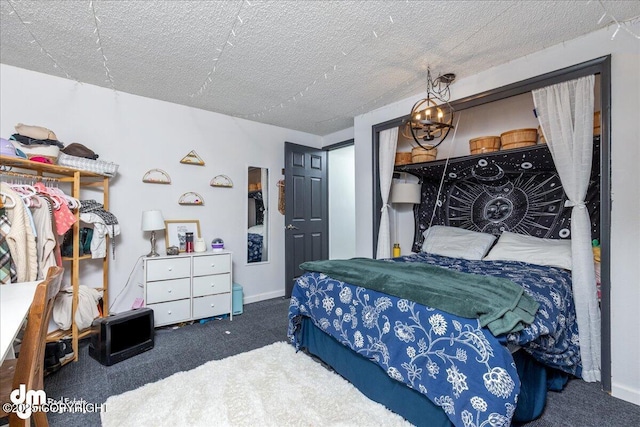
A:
24	189
7	198
64	197
56	198
27	193
71	202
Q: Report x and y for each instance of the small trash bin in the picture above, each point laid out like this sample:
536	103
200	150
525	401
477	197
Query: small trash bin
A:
237	299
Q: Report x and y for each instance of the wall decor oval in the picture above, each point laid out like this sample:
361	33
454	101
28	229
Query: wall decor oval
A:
156	176
221	181
191	198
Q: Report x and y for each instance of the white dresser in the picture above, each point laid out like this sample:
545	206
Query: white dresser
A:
188	286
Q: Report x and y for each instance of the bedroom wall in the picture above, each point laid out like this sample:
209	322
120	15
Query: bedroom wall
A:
336	137
625	153
140	134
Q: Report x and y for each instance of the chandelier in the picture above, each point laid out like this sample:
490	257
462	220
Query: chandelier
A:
431	118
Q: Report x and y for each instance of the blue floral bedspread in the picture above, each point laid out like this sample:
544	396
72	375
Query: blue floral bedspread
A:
458	365
254	247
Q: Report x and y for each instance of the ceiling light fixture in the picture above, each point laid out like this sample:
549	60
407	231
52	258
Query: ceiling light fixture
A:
431	118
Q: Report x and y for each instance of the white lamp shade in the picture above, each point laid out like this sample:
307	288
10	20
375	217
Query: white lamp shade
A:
152	220
405	192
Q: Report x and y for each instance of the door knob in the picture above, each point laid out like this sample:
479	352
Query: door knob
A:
291	227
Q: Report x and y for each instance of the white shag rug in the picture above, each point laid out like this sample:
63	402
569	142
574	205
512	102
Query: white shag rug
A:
270	386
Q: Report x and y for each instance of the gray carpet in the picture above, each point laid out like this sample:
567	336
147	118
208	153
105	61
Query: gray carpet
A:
579	405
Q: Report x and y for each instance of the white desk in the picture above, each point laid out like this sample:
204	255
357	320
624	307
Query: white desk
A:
15	300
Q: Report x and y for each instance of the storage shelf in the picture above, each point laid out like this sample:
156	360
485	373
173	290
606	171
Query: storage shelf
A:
81	257
60	334
410	167
46	168
435	167
78	180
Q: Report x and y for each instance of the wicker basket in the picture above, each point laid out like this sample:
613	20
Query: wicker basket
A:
484	144
419	154
518	138
403	159
596	123
541	138
96	166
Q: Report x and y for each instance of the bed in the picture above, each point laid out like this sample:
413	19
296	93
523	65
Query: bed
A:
447	358
437	368
255	232
255	239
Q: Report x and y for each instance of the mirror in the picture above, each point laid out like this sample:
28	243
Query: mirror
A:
257	215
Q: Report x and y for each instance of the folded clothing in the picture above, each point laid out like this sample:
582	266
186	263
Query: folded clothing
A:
37	152
26	140
80	150
35	132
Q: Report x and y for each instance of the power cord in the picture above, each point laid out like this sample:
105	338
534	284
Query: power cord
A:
126	285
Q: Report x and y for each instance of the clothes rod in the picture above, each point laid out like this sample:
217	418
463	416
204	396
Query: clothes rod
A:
30	176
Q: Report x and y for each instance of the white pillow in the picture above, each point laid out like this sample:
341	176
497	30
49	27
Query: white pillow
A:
256	229
456	242
534	250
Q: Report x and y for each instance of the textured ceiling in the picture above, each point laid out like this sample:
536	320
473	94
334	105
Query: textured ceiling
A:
306	65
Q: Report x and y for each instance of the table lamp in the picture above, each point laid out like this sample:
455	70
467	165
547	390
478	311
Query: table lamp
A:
402	192
152	221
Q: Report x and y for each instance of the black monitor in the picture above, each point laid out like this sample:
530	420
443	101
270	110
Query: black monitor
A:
119	337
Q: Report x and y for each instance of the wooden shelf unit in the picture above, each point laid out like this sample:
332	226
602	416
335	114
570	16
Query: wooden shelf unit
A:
78	179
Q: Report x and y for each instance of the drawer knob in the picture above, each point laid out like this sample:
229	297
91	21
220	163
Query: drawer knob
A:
169	291
213	265
212	305
170	268
169	312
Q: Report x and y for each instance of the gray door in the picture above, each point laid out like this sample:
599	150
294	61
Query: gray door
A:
306	209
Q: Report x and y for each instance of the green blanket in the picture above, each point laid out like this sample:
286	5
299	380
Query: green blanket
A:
499	304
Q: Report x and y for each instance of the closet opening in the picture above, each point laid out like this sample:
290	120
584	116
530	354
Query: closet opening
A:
600	67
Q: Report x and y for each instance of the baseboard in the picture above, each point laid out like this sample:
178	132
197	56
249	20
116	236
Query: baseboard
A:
264	296
625	393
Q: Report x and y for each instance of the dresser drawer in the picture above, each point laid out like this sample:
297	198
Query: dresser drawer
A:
166	313
214	284
168	268
167	290
211	305
211	264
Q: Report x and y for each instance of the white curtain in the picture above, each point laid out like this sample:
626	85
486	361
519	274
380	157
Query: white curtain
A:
386	160
565	112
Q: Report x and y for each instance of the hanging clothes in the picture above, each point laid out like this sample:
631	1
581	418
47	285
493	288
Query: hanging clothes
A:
8	273
21	238
46	238
104	223
63	216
